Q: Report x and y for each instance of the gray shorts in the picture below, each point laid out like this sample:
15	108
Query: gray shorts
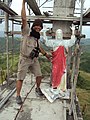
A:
26	64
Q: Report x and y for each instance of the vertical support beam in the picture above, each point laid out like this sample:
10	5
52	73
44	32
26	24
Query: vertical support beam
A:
12	45
68	67
7	42
81	17
63	8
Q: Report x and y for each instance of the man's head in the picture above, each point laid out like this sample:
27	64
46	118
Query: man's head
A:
37	25
36	28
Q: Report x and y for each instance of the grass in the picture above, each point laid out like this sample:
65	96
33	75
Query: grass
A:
85	62
12	66
84	99
84	80
83	84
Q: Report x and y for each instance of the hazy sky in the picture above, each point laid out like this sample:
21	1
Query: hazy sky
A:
16	5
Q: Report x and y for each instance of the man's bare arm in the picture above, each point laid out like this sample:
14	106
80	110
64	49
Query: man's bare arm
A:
44	53
23	15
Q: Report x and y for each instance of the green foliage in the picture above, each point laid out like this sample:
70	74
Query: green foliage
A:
84	99
3	76
15	46
45	66
83	82
13	56
85	62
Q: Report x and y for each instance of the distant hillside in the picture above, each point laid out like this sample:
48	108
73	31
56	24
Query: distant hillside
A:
16	46
85	41
85	45
1	33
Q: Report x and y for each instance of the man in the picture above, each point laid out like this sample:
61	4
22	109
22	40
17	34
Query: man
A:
29	54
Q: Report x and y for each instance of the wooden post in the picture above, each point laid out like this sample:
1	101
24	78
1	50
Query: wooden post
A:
7	42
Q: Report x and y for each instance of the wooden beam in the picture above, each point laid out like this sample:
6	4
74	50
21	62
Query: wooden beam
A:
43	17
87	14
6	8
48	19
33	5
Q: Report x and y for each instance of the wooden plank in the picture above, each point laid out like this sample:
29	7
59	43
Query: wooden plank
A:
8	10
33	5
87	14
51	18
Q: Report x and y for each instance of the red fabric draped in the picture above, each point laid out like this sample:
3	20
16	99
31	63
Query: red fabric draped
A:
58	66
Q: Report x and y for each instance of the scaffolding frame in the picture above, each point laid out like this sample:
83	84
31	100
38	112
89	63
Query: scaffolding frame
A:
11	15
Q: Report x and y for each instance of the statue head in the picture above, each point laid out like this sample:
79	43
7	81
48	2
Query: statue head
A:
59	34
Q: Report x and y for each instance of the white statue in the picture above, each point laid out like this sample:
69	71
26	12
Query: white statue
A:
59	34
73	31
59	41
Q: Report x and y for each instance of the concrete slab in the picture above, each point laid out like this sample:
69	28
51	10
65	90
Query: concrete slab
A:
34	108
37	109
10	109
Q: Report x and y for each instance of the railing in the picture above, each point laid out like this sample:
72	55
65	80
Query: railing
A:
73	81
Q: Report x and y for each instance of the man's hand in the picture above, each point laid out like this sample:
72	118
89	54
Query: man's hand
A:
48	56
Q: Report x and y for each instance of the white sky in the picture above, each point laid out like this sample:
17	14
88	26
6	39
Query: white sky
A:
16	6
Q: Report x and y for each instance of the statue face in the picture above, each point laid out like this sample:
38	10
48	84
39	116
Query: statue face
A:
59	34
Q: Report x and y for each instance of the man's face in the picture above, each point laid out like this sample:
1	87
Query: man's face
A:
37	28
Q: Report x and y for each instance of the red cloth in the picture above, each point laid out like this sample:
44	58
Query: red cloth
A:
58	66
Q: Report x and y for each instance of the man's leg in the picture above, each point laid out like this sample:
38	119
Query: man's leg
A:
36	70
19	86
18	90
38	81
22	70
37	89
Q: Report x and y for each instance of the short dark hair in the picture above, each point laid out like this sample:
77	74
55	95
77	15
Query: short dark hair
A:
38	22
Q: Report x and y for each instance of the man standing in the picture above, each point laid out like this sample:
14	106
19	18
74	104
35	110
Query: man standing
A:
29	52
